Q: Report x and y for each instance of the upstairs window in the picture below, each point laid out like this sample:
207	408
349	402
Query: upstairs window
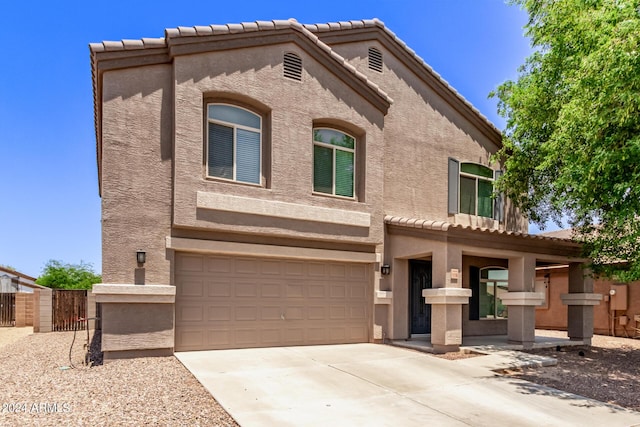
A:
333	162
476	188
471	190
375	59
234	139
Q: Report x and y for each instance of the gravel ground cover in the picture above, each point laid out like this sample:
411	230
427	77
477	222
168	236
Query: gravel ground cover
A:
39	387
608	371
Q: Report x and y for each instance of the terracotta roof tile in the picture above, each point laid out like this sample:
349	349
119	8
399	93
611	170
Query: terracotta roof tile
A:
203	30
250	26
235	28
426	224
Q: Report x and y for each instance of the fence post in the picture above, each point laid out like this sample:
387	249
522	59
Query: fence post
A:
91	309
42	310
21	309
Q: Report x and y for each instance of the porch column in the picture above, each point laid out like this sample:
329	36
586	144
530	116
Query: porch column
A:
446	299
522	300
580	301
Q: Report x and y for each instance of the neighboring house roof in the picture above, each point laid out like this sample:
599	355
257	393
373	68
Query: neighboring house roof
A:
17	273
23	279
560	234
521	241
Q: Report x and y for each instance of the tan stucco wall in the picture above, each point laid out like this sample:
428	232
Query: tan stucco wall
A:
136	173
555	316
254	77
422	131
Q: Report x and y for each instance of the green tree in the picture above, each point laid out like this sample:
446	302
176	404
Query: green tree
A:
58	275
572	139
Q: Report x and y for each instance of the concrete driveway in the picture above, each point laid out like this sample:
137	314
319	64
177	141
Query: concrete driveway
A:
379	385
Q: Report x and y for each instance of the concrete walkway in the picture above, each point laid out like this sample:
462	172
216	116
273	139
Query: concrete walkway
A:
380	385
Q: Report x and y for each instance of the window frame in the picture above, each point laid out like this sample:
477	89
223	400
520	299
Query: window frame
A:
477	179
482	281
354	187
235	127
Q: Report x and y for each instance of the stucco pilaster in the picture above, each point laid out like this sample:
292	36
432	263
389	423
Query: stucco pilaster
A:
521	300
580	301
446	299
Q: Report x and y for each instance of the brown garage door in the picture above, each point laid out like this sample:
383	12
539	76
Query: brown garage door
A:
236	302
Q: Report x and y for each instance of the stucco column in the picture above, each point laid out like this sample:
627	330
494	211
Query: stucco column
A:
580	301
42	310
522	300
446	299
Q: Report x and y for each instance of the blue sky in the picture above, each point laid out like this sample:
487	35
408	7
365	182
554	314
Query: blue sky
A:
49	203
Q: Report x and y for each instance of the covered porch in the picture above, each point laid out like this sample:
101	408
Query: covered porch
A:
451	285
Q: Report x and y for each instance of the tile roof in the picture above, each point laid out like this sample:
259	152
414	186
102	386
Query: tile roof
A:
369	23
244	27
426	224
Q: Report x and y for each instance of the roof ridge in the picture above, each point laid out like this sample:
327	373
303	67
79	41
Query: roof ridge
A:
243	27
375	22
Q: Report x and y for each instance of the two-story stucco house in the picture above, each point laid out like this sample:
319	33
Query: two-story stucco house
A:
296	184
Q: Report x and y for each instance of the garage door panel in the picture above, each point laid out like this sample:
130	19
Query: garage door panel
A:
271	290
271	268
337	312
270	313
218	313
316	313
192	288
219	265
338	291
246	266
190	313
295	290
252	302
244	290
246	313
217	288
294	313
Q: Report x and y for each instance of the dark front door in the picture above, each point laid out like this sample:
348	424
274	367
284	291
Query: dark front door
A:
419	279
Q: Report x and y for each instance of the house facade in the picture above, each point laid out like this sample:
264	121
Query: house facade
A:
296	184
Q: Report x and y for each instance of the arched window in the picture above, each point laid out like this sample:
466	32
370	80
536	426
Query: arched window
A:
234	143
334	163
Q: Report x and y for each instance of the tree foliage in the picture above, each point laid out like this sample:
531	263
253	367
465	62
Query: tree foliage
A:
572	139
58	275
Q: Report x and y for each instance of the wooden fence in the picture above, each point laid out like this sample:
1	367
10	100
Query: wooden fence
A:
7	309
68	306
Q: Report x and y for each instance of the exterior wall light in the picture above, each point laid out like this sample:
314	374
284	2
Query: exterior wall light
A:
385	269
141	256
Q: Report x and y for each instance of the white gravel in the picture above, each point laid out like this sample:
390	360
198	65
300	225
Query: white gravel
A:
38	387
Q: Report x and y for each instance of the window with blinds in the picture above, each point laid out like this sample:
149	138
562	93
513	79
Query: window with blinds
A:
333	162
234	139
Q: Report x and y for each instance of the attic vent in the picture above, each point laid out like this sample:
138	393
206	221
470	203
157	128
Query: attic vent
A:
375	59
292	66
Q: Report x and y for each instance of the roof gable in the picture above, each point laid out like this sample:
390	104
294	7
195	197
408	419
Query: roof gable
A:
113	55
373	29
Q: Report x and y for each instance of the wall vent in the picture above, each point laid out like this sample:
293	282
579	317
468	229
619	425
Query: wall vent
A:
292	66
375	59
